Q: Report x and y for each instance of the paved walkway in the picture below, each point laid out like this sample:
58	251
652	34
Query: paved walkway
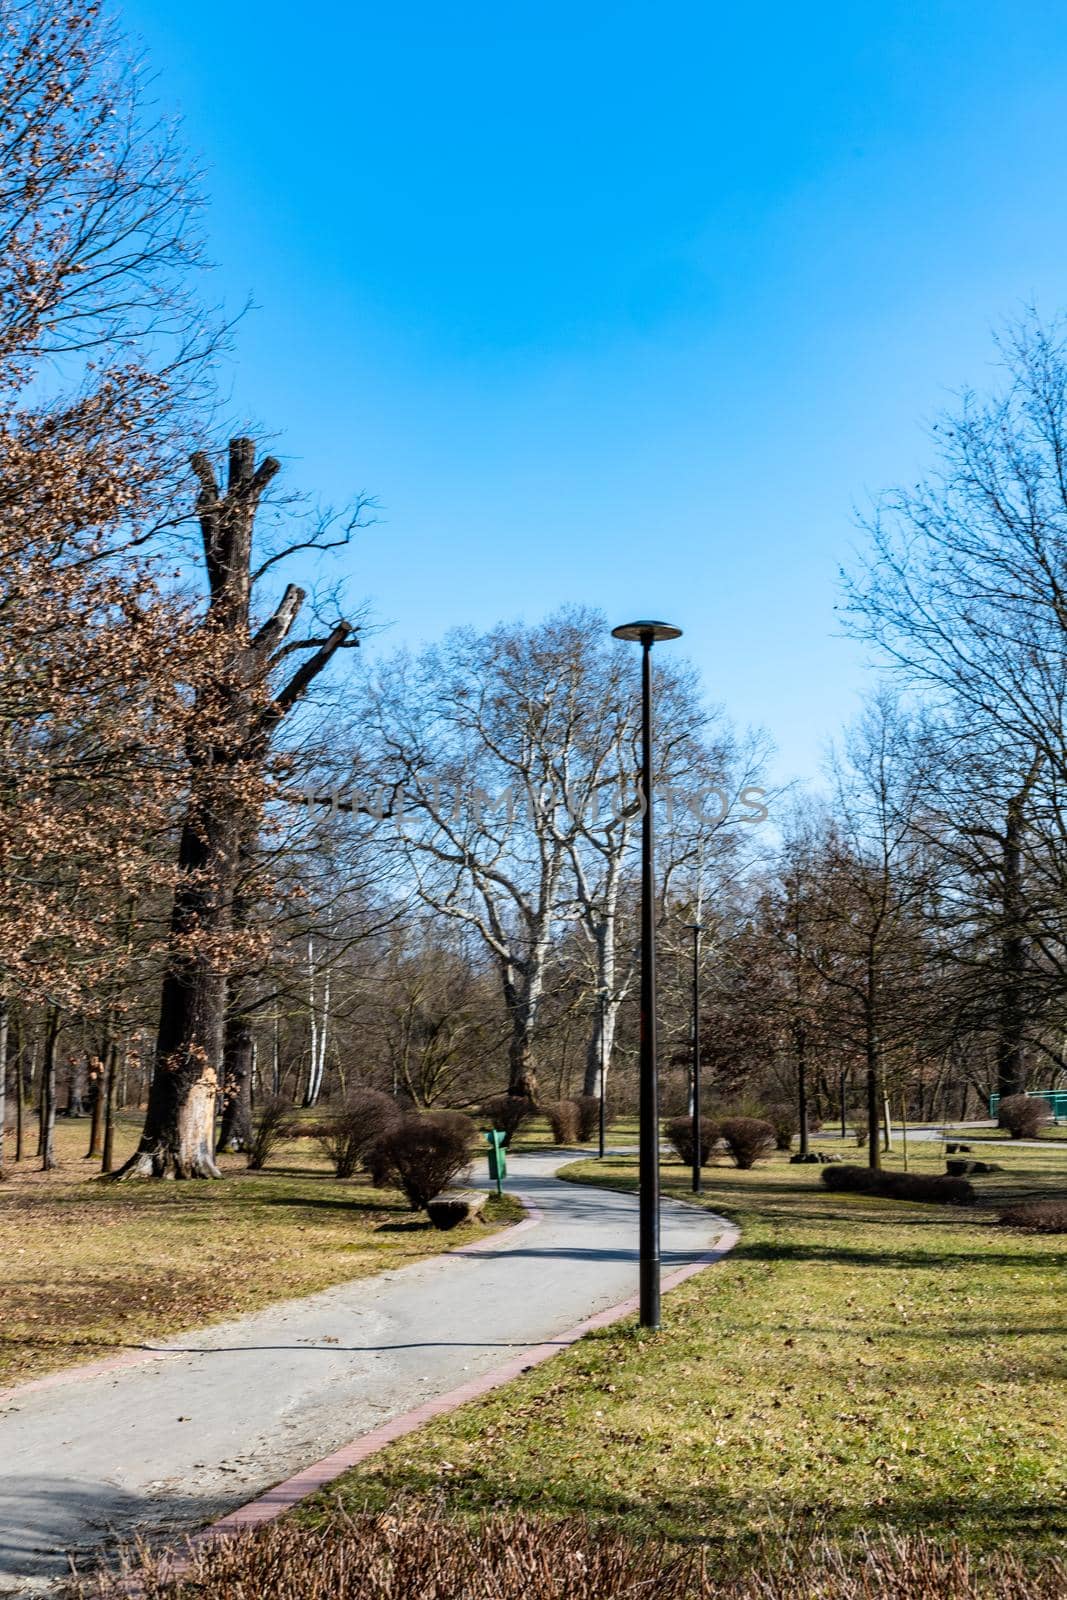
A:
211	1420
953	1133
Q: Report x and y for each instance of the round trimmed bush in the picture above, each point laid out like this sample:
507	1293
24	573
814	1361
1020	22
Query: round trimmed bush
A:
422	1156
679	1132
784	1120
564	1119
1022	1115
508	1112
747	1139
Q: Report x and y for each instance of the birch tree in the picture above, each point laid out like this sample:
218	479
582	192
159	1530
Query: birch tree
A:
466	735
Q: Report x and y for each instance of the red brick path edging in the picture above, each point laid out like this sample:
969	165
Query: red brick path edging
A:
285	1495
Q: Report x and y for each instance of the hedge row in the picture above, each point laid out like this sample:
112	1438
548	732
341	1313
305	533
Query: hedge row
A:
899	1185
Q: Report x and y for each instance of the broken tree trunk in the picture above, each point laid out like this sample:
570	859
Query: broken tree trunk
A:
234	717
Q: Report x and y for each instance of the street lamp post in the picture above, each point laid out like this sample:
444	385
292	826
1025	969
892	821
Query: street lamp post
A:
647	634
696	929
602	1123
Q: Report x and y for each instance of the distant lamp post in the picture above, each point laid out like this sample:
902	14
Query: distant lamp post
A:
602	1110
696	929
647	634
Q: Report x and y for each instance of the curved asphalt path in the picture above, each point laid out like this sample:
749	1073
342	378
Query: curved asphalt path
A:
207	1422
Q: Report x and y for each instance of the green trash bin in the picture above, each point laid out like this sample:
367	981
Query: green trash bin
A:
498	1158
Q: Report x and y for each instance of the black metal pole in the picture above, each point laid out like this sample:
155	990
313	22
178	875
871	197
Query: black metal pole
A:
649	1087
603	1086
646	634
696	1059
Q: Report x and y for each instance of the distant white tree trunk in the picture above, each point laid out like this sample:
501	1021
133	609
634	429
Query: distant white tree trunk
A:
319	1015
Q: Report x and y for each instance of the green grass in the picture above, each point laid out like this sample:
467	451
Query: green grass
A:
89	1267
854	1364
1048	1131
536	1135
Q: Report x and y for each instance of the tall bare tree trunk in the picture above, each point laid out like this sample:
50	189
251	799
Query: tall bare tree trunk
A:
76	1087
107	1154
48	1091
874	1092
20	1090
319	1004
522	1011
1011	1033
5	1020
179	1130
801	1042
96	1101
237	1055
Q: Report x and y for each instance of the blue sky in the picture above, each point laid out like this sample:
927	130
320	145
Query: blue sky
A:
624	304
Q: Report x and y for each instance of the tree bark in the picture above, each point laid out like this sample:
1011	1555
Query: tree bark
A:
521	1002
75	1088
1011	1038
874	1096
603	1036
96	1104
5	1020
20	1091
319	1023
236	1130
178	1135
802	1086
48	1092
107	1154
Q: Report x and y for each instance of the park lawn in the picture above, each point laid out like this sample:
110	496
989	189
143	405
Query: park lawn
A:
89	1267
854	1364
536	1135
1049	1131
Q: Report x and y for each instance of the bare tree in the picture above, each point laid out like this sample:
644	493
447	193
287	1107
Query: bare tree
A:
868	930
238	709
965	592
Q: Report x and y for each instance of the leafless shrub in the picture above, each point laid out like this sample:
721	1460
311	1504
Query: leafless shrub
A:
269	1128
564	1119
508	1112
747	1139
422	1156
393	1556
589	1116
679	1131
899	1185
1037	1216
347	1136
1023	1115
784	1120
455	1122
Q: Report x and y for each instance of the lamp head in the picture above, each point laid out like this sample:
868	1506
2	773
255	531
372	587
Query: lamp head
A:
653	632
